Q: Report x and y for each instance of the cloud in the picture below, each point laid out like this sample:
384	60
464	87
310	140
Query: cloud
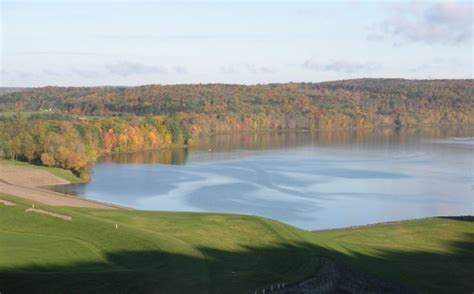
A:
268	70
53	53
246	36
78	72
51	72
433	23
441	64
248	68
421	68
254	69
180	70
8	74
341	66
10	77
228	69
85	73
126	68
122	69
375	37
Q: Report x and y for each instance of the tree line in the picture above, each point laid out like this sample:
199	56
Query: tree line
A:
73	143
350	97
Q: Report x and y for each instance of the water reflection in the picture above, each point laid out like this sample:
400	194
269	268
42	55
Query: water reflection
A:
311	180
221	147
161	156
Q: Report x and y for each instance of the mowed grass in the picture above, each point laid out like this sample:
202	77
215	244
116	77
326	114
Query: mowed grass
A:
150	252
59	172
176	252
435	255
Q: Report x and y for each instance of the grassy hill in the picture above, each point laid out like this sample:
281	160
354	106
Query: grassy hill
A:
435	255
171	252
175	252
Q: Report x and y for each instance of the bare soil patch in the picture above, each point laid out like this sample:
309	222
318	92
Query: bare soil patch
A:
28	177
25	182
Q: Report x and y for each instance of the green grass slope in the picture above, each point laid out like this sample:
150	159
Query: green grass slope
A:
435	255
150	252
176	252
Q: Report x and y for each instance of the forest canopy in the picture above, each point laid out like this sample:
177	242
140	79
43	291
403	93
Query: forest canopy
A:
69	127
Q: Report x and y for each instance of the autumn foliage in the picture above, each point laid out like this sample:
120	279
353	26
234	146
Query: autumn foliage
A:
70	127
75	144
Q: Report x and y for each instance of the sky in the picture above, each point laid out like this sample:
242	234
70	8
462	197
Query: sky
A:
103	42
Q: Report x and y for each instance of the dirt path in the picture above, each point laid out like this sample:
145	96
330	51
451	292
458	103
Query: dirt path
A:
24	182
53	214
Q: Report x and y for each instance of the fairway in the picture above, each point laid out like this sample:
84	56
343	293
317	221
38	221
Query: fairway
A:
175	252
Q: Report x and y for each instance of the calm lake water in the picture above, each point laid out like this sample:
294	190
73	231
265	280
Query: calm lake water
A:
310	180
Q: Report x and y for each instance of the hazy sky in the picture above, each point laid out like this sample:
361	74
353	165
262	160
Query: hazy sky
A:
82	43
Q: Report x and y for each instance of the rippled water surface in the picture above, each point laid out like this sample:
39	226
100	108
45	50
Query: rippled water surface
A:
313	181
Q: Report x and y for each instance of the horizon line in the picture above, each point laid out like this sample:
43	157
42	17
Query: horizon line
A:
238	84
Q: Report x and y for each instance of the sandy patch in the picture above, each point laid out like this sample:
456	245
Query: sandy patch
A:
61	216
28	177
24	182
50	197
7	203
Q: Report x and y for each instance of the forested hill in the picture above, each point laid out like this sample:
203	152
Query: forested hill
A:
340	104
70	127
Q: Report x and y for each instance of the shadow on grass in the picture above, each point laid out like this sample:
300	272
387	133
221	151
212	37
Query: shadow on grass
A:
245	270
155	271
466	218
447	271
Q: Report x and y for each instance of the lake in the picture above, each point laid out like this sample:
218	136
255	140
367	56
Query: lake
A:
313	181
